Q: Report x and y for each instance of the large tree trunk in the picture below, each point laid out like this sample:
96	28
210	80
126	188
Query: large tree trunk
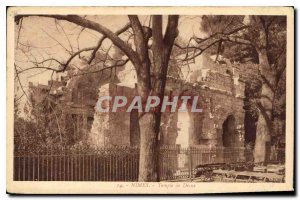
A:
264	124
264	131
162	47
261	143
149	149
150	122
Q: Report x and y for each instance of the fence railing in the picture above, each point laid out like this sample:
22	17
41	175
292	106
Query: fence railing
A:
115	164
180	163
69	164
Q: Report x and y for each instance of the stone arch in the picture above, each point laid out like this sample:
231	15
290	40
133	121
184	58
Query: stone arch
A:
184	129
190	124
229	131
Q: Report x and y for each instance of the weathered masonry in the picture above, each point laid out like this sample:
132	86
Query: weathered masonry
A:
221	124
219	86
76	113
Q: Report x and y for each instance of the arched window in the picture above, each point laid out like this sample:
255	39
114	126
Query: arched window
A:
228	136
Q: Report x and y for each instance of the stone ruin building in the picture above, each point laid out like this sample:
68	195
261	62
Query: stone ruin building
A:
221	88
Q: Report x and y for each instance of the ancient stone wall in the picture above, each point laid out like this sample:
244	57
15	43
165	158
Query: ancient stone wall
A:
221	95
205	128
221	91
112	128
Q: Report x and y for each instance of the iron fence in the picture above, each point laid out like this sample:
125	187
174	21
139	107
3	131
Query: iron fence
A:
54	164
181	163
116	164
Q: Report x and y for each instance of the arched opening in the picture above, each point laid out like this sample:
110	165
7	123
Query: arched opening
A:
183	137
184	129
250	128
228	136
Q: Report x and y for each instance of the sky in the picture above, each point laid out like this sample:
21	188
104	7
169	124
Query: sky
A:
41	38
47	39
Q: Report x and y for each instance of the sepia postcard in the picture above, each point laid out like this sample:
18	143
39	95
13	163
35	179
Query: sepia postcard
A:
150	100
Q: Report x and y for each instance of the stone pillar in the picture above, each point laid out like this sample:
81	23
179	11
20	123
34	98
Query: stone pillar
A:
169	129
100	126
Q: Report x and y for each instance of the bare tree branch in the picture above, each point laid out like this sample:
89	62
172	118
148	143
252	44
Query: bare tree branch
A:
19	32
265	115
123	29
139	39
58	42
171	31
132	55
63	30
77	39
117	64
22	88
267	82
219	49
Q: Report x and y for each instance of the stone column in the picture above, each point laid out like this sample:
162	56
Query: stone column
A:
100	127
